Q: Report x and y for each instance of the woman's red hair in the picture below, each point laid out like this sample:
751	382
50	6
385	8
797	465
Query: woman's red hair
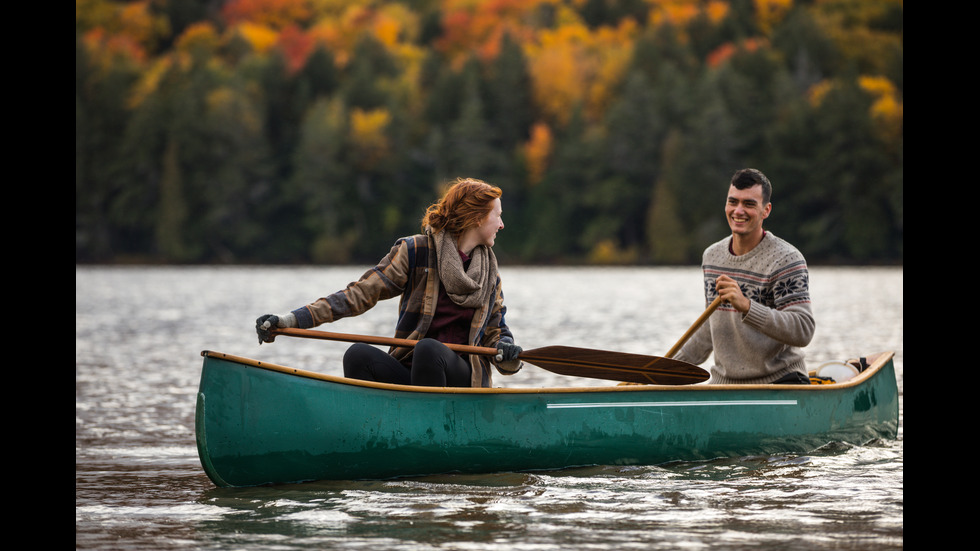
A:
465	205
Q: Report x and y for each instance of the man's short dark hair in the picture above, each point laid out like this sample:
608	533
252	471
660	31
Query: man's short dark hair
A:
748	177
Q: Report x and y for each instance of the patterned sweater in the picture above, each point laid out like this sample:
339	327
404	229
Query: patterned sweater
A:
766	343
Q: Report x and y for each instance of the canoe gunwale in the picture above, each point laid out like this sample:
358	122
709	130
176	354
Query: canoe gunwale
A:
879	362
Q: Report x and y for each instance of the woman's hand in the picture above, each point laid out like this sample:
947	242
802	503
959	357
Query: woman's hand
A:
268	321
508	351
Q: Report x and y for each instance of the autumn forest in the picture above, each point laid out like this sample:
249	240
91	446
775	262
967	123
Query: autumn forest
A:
317	131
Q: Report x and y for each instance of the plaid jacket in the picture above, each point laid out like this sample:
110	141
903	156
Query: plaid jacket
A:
409	270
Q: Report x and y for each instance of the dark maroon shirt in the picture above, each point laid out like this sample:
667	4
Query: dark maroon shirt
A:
451	322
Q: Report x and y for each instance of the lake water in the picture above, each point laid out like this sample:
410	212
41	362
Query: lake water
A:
139	483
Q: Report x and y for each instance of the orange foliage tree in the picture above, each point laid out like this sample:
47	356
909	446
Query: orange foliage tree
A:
277	14
537	152
128	29
479	26
296	46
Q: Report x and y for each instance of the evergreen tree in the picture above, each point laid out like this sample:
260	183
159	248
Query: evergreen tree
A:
445	93
699	160
666	237
101	117
283	110
471	147
809	54
196	146
851	166
635	130
318	77
321	183
508	98
370	68
751	84
555	212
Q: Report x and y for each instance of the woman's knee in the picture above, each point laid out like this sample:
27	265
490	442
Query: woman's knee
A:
357	352
357	360
355	349
435	364
367	363
429	349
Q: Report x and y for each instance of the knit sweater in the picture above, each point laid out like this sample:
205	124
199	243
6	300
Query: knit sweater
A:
765	343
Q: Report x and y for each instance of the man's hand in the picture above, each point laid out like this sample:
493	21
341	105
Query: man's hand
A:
730	292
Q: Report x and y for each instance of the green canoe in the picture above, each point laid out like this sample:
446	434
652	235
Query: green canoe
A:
259	423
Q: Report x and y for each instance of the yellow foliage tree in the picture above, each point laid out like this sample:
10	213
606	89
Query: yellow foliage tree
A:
887	110
608	252
681	12
769	13
260	37
198	35
367	135
851	25
393	25
572	65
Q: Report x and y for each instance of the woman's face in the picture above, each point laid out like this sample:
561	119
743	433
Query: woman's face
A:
486	232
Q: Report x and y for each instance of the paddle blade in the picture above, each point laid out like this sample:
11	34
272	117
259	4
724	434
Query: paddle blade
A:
614	366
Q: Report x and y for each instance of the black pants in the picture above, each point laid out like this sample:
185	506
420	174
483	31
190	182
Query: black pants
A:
433	364
794	378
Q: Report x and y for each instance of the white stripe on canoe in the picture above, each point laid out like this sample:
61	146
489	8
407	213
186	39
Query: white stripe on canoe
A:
675	404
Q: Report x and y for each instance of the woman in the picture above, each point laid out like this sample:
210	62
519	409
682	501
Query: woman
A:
450	293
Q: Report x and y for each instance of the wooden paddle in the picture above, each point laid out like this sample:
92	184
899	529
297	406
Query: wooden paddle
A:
564	360
687	335
697	325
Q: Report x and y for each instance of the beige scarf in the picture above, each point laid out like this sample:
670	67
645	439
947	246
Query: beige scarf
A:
470	288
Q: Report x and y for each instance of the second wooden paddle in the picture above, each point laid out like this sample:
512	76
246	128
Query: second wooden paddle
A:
697	325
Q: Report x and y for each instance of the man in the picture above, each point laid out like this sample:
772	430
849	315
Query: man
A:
765	318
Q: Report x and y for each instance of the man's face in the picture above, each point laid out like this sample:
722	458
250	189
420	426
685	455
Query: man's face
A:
745	211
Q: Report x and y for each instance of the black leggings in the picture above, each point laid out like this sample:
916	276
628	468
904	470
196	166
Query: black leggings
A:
433	364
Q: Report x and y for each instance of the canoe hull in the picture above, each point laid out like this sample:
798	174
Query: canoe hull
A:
261	424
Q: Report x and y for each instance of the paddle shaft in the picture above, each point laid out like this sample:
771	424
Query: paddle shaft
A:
697	325
384	341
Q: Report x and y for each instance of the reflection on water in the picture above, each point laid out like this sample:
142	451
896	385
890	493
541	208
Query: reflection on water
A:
139	484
